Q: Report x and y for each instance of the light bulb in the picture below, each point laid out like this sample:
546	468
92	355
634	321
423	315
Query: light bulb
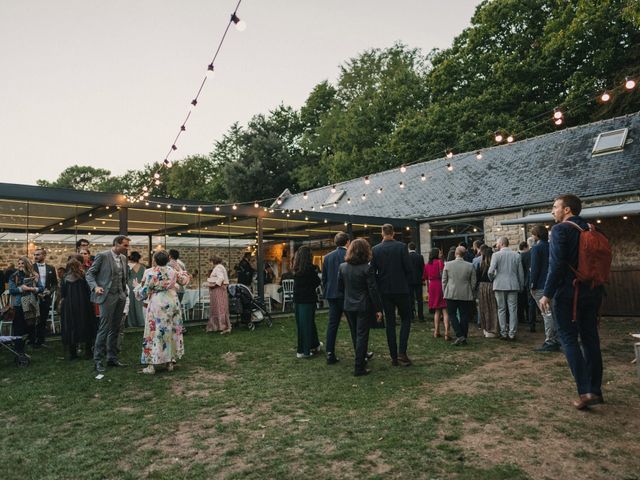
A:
498	137
558	121
348	200
156	175
333	189
235	207
423	177
449	154
366	180
403	169
629	83
510	139
157	182
605	97
557	113
478	156
449	167
305	195
255	205
401	184
379	190
279	201
364	196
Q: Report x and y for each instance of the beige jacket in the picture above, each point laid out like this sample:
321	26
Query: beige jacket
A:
458	280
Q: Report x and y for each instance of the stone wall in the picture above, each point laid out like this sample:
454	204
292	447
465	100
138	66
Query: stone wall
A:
493	229
425	239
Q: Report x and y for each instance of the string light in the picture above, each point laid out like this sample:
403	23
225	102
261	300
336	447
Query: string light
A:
510	139
279	201
498	137
184	208
379	190
217	208
629	83
449	167
305	195
478	155
366	180
333	189
401	184
156	175
557	113
403	169
349	200
241	26
605	97
558	121
364	196
199	209
449	153
423	177
256	205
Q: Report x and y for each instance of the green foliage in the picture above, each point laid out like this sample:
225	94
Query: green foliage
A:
79	177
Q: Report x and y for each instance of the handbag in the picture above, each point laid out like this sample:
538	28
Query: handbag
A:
30	308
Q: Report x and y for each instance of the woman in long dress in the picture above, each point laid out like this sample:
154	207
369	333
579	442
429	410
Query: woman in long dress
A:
486	299
162	343
218	299
136	273
77	314
433	275
305	300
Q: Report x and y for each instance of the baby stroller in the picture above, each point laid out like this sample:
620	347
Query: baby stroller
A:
249	311
22	359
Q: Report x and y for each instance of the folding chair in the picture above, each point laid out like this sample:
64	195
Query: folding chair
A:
53	313
5	300
287	292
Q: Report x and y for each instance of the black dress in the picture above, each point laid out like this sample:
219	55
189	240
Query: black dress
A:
78	318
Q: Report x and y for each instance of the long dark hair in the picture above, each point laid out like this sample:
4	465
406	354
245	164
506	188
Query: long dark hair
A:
486	258
359	252
302	260
434	254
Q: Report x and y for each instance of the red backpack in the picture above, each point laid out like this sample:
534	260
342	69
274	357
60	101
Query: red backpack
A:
594	260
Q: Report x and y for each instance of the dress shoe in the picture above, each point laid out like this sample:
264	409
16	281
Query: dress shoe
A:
368	356
548	347
116	363
361	373
404	360
504	337
331	360
394	362
459	342
100	367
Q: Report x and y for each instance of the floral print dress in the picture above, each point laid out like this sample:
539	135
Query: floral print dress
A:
162	342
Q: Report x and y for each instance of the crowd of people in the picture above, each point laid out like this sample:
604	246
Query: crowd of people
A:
493	286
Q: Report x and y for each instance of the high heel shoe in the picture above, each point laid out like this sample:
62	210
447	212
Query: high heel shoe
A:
436	334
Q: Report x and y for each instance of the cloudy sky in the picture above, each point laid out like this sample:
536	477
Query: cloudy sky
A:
108	83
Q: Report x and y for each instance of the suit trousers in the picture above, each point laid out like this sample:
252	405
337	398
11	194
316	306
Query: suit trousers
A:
335	314
111	311
416	294
465	308
586	362
401	301
507	299
38	334
550	331
359	326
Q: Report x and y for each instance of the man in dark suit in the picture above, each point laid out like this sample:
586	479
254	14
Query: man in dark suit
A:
392	267
330	267
107	279
49	282
415	281
584	357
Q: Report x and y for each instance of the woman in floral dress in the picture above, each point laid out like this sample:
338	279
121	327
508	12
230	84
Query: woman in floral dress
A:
162	343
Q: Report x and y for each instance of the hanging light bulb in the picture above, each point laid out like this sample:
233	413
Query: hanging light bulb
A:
169	207
379	190
168	163
335	204
498	137
146	194
279	201
401	184
449	167
510	139
423	177
557	113
348	201
364	196
210	70
145	188
605	97
478	155
184	208
403	169
241	25
235	207
199	209
305	195
366	180
449	153
256	205
156	175
157	182
558	121
629	83
333	189
217	209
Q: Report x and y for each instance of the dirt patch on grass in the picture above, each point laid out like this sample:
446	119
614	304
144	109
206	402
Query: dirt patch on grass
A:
199	383
539	431
231	358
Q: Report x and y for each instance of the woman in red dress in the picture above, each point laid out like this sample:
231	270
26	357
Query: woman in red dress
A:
437	304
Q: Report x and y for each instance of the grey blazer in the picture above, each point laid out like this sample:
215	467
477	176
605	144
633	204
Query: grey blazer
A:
506	271
458	280
100	275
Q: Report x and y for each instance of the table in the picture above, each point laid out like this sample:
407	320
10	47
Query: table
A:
190	297
272	290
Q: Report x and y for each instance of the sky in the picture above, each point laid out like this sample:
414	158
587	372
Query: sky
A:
108	83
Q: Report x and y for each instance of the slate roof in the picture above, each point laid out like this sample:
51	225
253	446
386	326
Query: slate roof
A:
508	177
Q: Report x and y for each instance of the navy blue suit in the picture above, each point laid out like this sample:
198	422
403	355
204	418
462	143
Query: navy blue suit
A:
392	266
333	295
585	363
539	265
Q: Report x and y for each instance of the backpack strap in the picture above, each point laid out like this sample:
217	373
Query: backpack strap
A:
575	280
575	225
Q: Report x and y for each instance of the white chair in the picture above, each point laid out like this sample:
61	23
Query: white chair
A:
320	294
5	300
287	292
202	306
53	314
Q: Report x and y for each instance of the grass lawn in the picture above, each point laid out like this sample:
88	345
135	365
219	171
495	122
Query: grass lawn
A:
242	406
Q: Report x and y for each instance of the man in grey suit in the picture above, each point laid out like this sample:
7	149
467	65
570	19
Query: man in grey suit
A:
107	279
508	279
458	282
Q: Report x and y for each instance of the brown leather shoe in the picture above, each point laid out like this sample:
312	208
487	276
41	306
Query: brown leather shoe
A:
586	400
404	360
394	362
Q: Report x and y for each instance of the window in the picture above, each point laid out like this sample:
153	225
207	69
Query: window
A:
612	141
333	198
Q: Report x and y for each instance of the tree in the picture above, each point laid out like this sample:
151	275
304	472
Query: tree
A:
79	177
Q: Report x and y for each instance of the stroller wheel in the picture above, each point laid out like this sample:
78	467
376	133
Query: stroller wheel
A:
22	360
252	326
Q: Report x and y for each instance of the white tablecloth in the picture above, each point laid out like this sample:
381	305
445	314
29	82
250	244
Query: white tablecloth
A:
271	290
191	297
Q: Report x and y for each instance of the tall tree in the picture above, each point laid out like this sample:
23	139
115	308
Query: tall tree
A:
79	177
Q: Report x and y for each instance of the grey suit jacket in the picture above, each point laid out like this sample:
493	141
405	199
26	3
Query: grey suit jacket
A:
458	280
100	275
506	271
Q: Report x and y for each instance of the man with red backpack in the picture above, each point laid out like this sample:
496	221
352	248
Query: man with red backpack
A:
579	264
